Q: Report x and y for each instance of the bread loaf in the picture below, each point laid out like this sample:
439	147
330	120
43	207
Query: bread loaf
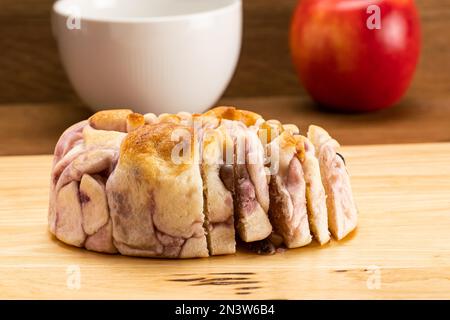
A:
188	185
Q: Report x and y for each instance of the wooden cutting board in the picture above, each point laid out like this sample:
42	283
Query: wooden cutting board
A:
401	248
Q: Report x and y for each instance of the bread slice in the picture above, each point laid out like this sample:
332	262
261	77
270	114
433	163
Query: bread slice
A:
268	131
217	191
271	130
342	212
251	194
315	192
288	208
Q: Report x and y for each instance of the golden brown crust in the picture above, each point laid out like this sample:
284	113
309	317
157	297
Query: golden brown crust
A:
159	141
231	113
249	118
269	130
134	121
287	140
110	120
300	146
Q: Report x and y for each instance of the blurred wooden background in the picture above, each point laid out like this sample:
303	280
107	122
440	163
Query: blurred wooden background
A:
30	70
32	79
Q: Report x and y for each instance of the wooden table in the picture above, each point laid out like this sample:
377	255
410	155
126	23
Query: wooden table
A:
31	72
400	250
402	191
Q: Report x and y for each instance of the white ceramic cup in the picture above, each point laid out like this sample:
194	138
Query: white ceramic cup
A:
149	55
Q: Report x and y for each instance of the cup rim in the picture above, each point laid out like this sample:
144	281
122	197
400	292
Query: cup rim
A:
58	9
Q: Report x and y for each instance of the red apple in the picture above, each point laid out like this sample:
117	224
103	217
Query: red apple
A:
355	55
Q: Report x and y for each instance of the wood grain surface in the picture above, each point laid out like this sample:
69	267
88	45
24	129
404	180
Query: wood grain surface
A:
30	70
401	248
